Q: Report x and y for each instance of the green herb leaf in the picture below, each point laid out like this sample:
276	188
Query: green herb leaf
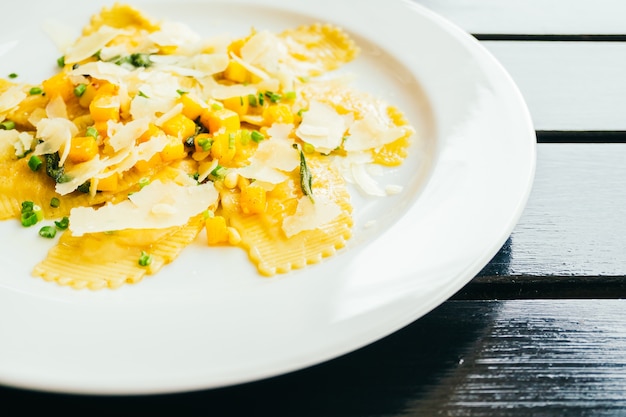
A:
306	179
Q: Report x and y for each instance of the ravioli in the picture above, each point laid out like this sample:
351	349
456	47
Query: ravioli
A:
151	138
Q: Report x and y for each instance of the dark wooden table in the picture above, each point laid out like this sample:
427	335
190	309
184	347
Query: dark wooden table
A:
541	330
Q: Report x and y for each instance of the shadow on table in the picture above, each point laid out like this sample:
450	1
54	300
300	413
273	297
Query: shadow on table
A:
381	379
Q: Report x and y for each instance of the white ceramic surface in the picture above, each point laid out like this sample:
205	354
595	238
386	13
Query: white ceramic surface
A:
209	319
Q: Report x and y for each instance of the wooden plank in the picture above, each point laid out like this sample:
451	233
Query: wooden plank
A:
574	222
533	16
493	358
568	85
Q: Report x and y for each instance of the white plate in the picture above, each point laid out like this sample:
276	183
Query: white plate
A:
208	319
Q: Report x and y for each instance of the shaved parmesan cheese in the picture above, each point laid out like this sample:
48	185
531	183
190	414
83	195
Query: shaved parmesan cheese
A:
106	71
158	205
309	215
174	34
56	108
369	133
273	157
124	135
11	98
22	142
80	174
322	127
264	50
89	45
54	133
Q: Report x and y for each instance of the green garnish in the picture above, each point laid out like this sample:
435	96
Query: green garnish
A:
143	182
48	232
181	92
256	136
62	224
306	179
219	172
216	106
55	202
205	144
273	97
142	94
145	259
34	163
7	125
35	90
12	75
61	61
80	89
92	131
252	100
290	95
31	213
136	60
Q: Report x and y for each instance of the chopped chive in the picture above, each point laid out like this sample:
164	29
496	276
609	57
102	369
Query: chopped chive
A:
34	163
205	144
143	182
182	92
301	111
216	106
252	100
142	94
92	131
244	138
261	99
241	101
31	213
12	75
55	202
80	89
290	95
35	90
145	259
61	61
273	97
48	232
62	224
7	125
219	172
256	136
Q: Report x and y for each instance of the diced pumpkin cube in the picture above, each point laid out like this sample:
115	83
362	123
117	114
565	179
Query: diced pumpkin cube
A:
59	85
145	166
224	146
152	131
239	104
253	199
192	107
236	72
87	97
175	149
277	113
214	120
179	126
108	183
104	108
216	230
82	149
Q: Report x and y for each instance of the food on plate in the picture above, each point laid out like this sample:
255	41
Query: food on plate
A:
151	137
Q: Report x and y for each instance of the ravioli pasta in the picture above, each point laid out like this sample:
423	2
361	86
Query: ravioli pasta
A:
151	138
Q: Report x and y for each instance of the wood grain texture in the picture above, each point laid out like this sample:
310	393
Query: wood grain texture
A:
533	16
574	222
491	358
